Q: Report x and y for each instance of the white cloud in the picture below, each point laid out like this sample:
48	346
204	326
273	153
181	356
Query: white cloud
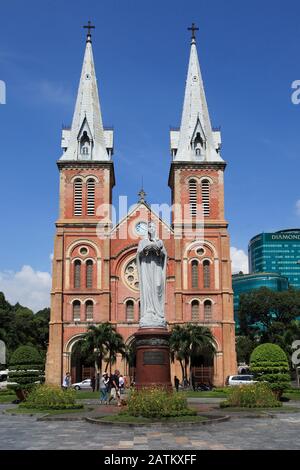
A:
298	207
28	287
239	260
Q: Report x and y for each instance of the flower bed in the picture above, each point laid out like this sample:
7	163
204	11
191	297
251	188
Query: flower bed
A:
46	397
258	395
157	403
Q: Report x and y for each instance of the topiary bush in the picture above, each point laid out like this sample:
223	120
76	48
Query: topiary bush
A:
157	403
259	395
269	363
51	397
26	368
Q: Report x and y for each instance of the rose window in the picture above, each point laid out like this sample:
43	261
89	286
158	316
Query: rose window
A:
131	275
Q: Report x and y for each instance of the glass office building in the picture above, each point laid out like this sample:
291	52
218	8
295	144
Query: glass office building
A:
277	252
243	283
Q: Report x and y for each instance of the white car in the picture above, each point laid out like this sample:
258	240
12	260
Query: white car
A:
241	379
3	379
85	384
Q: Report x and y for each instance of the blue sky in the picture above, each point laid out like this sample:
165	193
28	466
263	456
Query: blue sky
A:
249	56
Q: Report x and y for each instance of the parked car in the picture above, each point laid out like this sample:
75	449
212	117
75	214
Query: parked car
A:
85	384
3	379
241	379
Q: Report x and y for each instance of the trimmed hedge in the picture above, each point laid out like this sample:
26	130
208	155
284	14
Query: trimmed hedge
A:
269	363
26	368
50	397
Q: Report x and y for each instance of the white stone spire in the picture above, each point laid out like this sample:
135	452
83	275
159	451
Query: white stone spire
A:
87	139
195	141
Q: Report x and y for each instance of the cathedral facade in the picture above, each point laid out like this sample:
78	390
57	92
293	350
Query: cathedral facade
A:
94	270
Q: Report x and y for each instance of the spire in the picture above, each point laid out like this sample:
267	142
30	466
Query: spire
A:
195	141
87	139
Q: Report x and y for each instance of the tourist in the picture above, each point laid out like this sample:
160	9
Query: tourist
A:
93	383
121	383
67	381
176	383
114	387
104	381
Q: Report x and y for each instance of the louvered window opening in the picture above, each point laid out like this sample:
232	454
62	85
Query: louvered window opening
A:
205	198
77	274
91	197
129	310
89	310
195	311
76	310
78	197
193	197
206	274
195	271
89	274
207	310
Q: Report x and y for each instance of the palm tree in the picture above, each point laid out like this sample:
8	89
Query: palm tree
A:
115	345
179	348
188	341
103	342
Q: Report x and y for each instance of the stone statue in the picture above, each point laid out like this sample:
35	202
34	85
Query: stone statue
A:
151	263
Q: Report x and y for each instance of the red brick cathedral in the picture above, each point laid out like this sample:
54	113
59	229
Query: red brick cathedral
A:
94	271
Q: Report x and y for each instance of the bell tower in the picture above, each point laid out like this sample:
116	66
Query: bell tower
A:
203	287
81	264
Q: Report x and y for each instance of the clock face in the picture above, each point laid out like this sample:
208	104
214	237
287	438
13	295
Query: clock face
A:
141	228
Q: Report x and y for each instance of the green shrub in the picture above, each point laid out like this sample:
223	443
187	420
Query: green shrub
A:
259	395
269	363
51	397
25	368
157	403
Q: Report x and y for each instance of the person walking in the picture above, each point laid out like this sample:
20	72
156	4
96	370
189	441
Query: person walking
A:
93	383
114	388
103	385
67	381
176	383
121	383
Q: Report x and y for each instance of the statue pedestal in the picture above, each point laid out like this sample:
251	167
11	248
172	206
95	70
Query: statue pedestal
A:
152	358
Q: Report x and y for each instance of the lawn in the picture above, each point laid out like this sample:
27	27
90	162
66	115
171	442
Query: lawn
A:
22	411
125	418
7	398
213	394
86	394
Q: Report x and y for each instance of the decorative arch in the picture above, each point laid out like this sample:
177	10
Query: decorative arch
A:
193	245
70	248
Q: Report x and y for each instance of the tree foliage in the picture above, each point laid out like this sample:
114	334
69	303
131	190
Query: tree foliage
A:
20	326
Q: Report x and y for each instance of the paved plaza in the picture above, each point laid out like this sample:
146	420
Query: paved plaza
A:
282	431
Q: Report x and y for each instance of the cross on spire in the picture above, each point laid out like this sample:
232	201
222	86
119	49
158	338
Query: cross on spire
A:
142	195
89	26
193	28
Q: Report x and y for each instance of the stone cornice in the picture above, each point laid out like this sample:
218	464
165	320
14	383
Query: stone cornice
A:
92	164
195	166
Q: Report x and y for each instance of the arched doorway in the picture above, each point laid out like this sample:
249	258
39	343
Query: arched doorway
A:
202	369
82	363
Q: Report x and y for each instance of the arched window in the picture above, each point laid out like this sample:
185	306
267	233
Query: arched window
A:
206	273
77	197
89	310
76	310
207	310
90	197
193	197
89	273
195	277
195	310
77	274
85	144
205	189
129	310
